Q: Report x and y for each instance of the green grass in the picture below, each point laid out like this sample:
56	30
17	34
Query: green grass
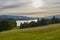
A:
50	32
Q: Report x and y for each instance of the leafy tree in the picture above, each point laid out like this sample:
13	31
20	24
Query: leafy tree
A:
43	22
33	24
54	20
7	24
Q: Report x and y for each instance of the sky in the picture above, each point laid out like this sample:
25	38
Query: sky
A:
25	7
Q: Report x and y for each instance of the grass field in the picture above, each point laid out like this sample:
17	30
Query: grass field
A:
50	32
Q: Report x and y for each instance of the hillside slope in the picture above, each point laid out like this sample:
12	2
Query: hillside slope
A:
50	32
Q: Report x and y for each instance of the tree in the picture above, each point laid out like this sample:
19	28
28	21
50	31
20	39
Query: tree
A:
33	24
43	22
24	25
7	24
54	20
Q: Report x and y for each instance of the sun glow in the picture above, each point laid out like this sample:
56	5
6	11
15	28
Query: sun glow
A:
37	3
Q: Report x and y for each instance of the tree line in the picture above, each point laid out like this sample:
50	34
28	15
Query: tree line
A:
7	24
39	22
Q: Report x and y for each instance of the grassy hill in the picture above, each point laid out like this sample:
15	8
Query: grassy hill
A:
50	32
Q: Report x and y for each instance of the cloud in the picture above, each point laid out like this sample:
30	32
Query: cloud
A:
14	6
26	5
10	4
5	4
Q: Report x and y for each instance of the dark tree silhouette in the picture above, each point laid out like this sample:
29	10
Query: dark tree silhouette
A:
7	24
41	22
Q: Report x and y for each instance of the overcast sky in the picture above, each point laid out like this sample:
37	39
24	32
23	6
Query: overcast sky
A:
25	6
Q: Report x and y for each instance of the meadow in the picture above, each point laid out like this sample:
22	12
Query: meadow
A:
49	32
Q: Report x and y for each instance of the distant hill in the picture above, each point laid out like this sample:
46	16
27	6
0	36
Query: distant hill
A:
49	17
15	17
24	17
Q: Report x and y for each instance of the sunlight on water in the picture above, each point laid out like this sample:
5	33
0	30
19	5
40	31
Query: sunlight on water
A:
22	21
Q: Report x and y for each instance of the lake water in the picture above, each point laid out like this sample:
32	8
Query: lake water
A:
22	21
